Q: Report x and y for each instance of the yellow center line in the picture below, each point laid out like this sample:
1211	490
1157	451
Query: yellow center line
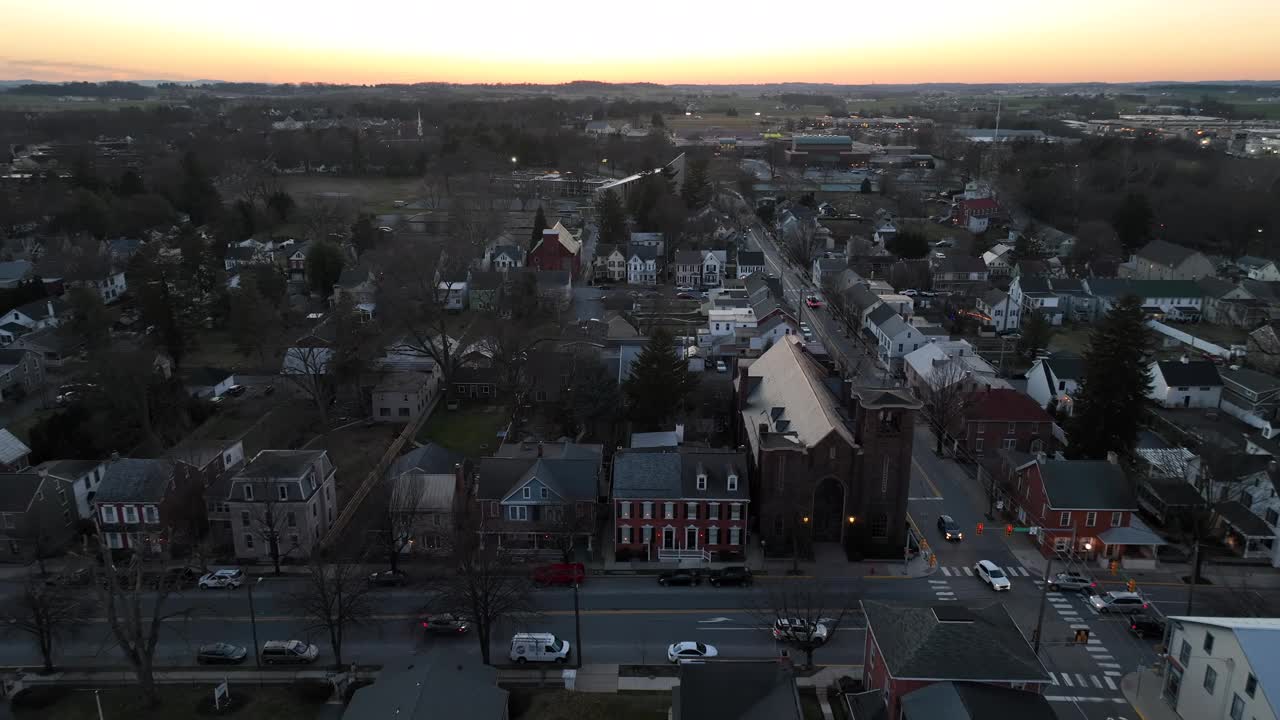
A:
926	477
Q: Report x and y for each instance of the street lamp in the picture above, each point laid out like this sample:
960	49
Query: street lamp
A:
253	623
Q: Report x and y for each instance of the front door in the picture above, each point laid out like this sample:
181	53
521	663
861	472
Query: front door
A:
668	538
691	538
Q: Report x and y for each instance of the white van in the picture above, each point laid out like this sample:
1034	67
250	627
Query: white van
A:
539	647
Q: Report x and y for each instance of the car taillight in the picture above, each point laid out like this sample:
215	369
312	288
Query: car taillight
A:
462	628
1144	606
426	624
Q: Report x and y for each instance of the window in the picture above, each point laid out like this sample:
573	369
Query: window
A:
1090	519
248	541
248	493
647	509
1250	685
1208	643
624	510
702	482
384	411
733	485
1184	654
244	518
982	427
1116	519
977	445
293	540
526	493
735	511
86	482
517	512
1237	707
1062	384
130	514
1013	428
1210	678
880	525
713	535
151	514
1272	517
691	511
713	511
114	541
291	519
544	493
109	514
1064	519
735	536
283	492
668	511
14	547
1037	445
1009	443
403	412
1061	544
493	509
624	535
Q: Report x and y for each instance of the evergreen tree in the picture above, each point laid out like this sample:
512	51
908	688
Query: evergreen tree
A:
696	190
612	218
1132	220
1036	332
659	382
324	266
908	244
539	224
1111	402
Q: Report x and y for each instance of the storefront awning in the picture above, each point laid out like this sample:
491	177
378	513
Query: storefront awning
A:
1133	535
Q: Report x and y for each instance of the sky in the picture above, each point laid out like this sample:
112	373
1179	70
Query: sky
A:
662	41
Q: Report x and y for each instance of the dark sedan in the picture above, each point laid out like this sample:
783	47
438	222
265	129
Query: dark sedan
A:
679	577
949	528
389	578
221	654
1144	625
732	575
445	624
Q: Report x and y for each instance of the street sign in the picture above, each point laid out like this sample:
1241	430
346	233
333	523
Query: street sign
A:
1033	531
221	694
999	504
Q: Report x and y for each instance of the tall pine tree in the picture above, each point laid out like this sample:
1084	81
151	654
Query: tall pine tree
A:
659	383
612	218
1110	405
696	190
539	224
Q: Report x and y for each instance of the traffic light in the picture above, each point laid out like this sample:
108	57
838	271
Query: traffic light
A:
1008	529
1082	636
1133	585
979	528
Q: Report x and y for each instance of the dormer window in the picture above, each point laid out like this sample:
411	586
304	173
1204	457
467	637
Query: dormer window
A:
702	481
526	493
733	482
248	493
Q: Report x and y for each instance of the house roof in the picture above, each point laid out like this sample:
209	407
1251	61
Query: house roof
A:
735	690
1258	382
831	264
980	204
1162	252
1215	287
1242	519
16	491
11	448
975	701
566	238
962	264
14	270
660	439
1086	485
67	469
880	314
135	480
1004	405
511	251
203	376
688	257
673	473
950	642
750	258
644	252
1192	372
429	688
1063	366
281	464
1120	287
1032	267
39	309
572	480
894	326
862	297
429	459
353	276
786	392
843	140
994	297
1253	262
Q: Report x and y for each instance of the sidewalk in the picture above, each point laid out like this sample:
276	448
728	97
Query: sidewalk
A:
1142	689
829	562
824	678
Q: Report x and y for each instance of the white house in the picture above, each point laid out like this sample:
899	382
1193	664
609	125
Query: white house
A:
1185	383
713	262
895	337
749	262
999	260
39	314
1259	268
1030	294
644	265
506	257
610	263
943	364
883	234
82	475
1055	378
455	294
1001	310
727	320
1222	668
827	267
110	287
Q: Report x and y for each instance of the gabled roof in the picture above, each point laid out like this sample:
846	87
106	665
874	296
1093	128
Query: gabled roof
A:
564	237
572	480
1252	262
16	491
430	459
644	252
135	480
281	464
1064	367
1004	405
962	264
994	297
1120	287
1252	380
1214	287
70	470
14	270
735	690
673	473
688	257
880	314
950	642
1165	253
750	258
39	309
11	448
431	687
785	385
1192	372
975	701
1086	485
862	297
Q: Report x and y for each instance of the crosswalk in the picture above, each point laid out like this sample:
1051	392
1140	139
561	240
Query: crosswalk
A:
942	590
966	571
1083	681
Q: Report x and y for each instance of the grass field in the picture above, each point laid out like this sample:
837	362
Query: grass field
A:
261	703
372	194
41	103
472	429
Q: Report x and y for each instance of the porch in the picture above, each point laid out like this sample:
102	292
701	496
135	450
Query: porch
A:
1246	534
1135	546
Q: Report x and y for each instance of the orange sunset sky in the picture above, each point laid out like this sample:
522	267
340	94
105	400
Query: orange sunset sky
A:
664	41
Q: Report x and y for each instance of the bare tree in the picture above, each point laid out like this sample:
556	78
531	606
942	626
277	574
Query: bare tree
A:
414	299
802	613
326	219
801	243
47	610
269	518
945	394
840	304
335	596
307	368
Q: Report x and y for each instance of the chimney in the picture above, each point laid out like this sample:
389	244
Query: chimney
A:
764	429
539	448
114	456
1112	457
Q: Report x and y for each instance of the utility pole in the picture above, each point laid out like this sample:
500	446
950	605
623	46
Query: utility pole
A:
1195	571
253	623
577	626
1044	595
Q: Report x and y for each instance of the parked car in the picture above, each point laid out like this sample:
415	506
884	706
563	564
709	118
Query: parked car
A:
797	630
236	390
679	577
222	579
949	528
1118	602
567	574
732	575
686	296
690	650
908	292
721	367
538	647
1145	625
813	302
388	578
444	624
221	654
288	652
991	574
1071	581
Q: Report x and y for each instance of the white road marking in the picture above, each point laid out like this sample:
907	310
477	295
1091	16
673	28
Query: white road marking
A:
937	582
1083	682
1079	626
1053	678
968	571
1112	673
1109	682
946	572
1086	698
944	594
1096	682
1109	665
1095	649
1066	680
1013	571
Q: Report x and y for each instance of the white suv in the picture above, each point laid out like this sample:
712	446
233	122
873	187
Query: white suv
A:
222	579
991	574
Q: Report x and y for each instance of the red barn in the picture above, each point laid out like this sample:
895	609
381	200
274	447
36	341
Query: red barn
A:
908	648
557	250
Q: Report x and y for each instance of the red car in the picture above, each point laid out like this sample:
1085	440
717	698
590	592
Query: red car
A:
813	302
560	574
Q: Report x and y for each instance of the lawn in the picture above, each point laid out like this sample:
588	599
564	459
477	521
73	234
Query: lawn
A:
472	429
261	703
565	705
373	194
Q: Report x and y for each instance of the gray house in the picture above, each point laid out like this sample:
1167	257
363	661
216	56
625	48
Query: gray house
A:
285	494
426	485
443	688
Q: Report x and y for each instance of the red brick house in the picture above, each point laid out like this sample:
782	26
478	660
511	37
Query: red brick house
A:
137	502
680	504
557	250
1089	501
909	648
1002	419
